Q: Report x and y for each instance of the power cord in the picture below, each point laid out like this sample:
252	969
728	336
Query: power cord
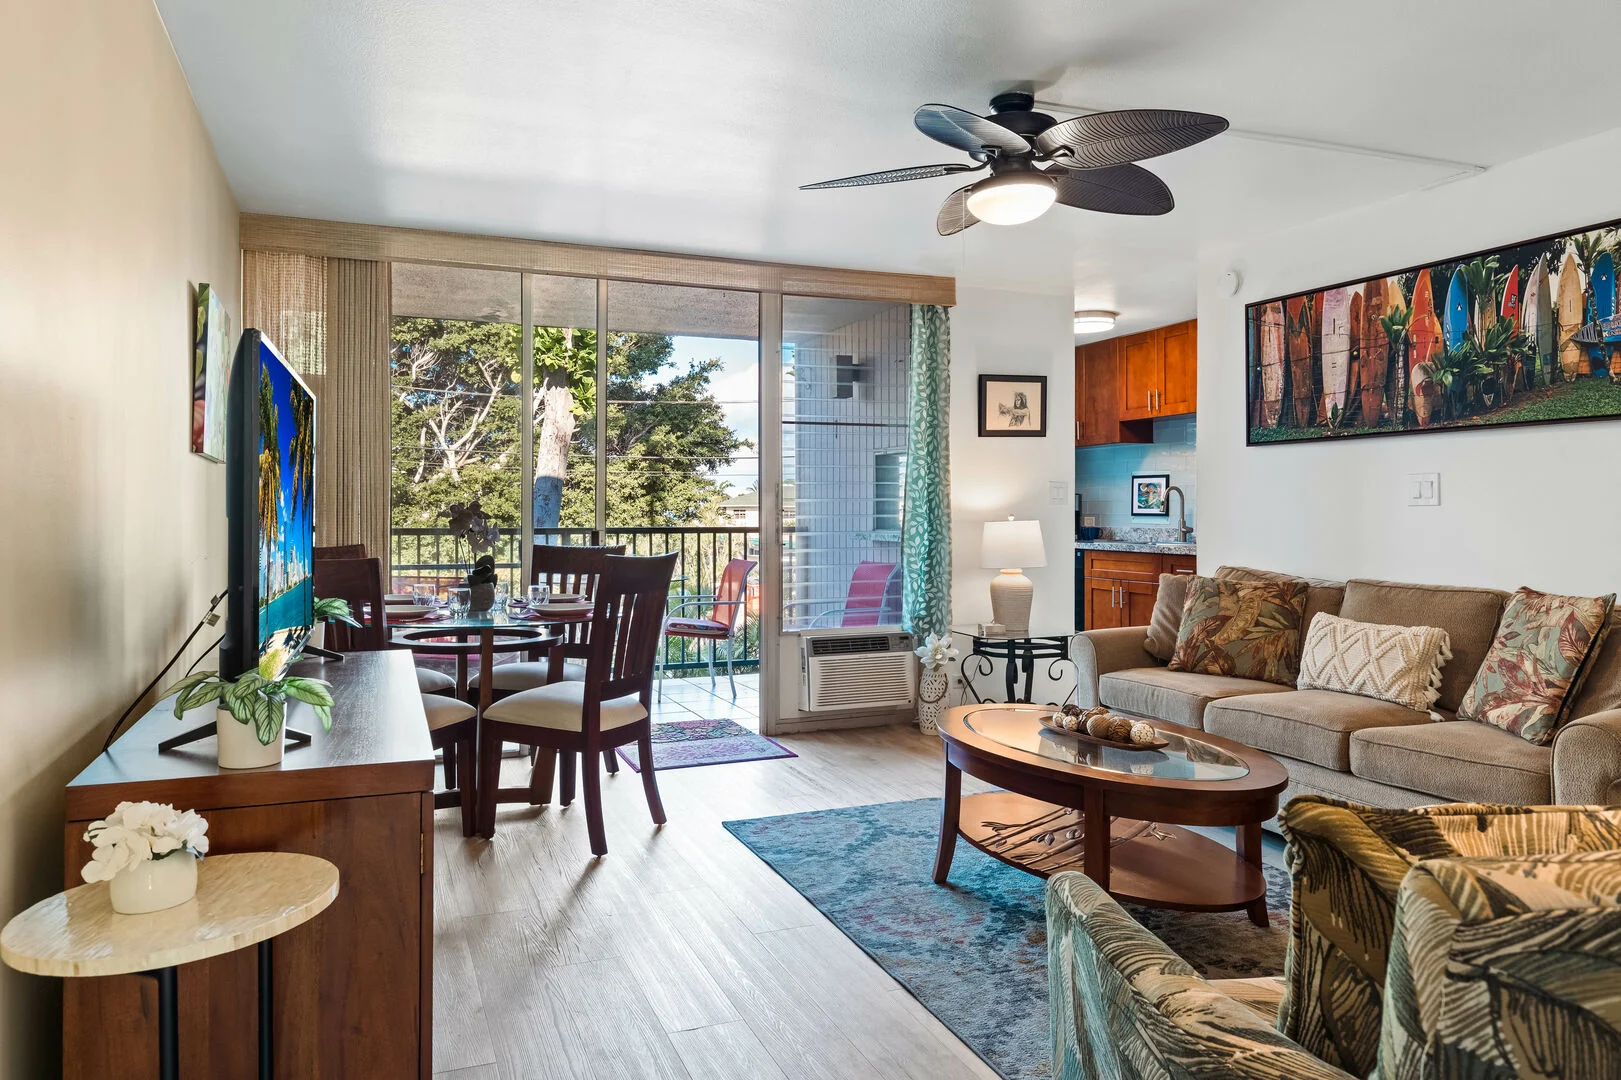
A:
210	618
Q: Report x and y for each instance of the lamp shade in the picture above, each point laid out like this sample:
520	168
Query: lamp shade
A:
1012	544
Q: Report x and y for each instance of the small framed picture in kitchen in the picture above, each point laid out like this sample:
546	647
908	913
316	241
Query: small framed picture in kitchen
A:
1012	406
1149	497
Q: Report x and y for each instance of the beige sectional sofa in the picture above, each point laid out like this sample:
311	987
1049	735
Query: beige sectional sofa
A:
1370	751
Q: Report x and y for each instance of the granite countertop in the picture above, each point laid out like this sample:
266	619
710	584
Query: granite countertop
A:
1144	546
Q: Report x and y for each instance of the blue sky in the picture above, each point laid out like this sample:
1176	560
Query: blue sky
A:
736	386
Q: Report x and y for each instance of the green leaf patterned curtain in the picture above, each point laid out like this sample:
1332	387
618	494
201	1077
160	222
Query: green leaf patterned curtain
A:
926	528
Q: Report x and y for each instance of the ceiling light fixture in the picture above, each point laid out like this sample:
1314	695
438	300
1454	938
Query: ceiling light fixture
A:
1094	322
1012	198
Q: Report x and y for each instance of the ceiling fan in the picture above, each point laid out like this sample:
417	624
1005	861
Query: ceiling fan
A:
1035	160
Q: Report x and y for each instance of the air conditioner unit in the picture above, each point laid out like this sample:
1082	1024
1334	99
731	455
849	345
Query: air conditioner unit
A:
850	670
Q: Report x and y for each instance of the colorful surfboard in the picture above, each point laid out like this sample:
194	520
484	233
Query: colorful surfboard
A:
1536	320
1336	350
1374	351
1424	333
1272	361
1297	341
1455	320
1569	316
1511	295
1603	286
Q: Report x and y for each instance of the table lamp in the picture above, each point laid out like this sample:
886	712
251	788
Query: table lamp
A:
1010	546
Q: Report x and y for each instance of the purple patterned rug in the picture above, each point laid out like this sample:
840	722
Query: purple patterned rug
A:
683	744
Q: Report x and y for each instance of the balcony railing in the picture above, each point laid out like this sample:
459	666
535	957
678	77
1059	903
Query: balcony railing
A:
433	557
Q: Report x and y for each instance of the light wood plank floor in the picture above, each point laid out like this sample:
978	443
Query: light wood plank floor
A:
680	954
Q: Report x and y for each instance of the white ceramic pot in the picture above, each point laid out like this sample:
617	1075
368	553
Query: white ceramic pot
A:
318	634
239	745
932	686
154	884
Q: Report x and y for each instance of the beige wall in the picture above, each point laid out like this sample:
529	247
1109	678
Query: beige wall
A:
112	206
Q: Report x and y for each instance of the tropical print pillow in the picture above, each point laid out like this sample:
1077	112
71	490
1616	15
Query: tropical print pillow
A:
1543	648
1246	629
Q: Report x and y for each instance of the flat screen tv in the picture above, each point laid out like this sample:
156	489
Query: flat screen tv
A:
269	499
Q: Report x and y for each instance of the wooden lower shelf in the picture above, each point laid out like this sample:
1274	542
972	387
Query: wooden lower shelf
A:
1160	866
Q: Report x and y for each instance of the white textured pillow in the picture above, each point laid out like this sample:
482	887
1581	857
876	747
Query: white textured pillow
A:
1399	664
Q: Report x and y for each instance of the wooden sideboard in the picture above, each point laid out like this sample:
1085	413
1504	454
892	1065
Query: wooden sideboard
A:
1124	384
353	986
1119	588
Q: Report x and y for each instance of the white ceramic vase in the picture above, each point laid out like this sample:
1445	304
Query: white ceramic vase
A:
154	884
318	634
932	686
239	745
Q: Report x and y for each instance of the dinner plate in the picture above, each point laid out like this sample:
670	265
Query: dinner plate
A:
400	598
562	608
408	611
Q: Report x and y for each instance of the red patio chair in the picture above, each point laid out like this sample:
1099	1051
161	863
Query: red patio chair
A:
873	599
725	606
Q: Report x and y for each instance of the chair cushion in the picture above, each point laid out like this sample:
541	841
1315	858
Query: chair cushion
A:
444	711
1347	863
526	675
1469	616
1542	651
702	628
1248	629
430	681
1311	725
1458	760
1263	994
560	706
1177	696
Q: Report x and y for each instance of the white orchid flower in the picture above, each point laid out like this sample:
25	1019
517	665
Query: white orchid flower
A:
138	831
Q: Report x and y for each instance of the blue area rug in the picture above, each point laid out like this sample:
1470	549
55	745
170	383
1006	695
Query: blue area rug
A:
974	951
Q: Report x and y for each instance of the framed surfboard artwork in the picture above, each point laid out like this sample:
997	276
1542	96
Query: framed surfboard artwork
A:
1524	334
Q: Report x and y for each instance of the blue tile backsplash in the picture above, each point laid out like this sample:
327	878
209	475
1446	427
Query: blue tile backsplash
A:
1103	474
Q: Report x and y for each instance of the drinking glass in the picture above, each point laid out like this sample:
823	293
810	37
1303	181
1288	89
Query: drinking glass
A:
538	594
427	595
460	599
502	592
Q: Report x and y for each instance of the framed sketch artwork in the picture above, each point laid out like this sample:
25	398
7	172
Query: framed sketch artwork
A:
1013	406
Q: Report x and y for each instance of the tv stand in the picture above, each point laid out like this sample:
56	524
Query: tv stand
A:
202	731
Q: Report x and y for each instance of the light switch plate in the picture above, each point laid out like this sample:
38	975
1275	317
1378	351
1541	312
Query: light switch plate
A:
1057	491
1424	489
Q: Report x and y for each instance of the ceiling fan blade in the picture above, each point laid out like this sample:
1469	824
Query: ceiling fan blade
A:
1115	138
968	131
954	215
1119	189
892	176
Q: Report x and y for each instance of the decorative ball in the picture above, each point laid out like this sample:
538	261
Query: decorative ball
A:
1096	710
1070	722
1120	729
1142	733
1071	709
1098	726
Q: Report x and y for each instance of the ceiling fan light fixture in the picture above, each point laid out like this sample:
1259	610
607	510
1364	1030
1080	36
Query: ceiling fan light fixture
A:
1012	198
1095	321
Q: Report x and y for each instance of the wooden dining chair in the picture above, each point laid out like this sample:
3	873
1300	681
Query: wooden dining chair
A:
610	708
360	582
341	551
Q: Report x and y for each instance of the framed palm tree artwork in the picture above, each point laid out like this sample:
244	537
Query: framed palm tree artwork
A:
1524	334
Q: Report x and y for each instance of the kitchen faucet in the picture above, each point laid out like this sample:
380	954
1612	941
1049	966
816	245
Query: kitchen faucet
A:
1183	532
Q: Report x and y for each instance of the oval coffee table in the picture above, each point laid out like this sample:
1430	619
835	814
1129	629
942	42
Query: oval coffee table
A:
1112	813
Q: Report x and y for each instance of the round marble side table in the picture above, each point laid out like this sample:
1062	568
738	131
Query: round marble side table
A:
241	900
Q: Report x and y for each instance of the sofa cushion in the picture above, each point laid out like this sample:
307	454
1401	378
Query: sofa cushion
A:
1468	615
1312	725
1322	595
1166	621
1601	690
1458	760
1542	651
1346	863
1248	629
1398	664
1177	696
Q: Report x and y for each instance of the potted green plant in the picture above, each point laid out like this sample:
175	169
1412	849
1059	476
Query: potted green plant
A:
469	526
148	854
330	609
251	712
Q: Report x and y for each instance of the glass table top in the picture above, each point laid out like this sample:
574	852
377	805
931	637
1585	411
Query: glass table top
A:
971	630
1185	758
475	620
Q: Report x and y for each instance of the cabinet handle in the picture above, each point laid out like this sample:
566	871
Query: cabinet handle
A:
1151	401
1077	431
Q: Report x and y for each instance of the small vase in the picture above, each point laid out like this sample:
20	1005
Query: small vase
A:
239	745
931	698
318	635
482	598
154	884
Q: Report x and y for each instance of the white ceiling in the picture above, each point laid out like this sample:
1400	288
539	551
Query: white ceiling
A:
686	126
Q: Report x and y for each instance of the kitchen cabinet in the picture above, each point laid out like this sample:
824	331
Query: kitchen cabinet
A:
1122	385
1120	588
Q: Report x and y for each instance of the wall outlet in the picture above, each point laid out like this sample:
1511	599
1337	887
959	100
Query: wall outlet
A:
1057	491
1424	489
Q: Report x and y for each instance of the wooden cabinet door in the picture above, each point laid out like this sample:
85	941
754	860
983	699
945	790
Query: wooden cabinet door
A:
1097	396
1137	603
1142	375
1103	604
1180	357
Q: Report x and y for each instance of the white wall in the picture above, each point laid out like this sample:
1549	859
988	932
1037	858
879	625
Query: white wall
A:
995	332
112	535
1536	506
